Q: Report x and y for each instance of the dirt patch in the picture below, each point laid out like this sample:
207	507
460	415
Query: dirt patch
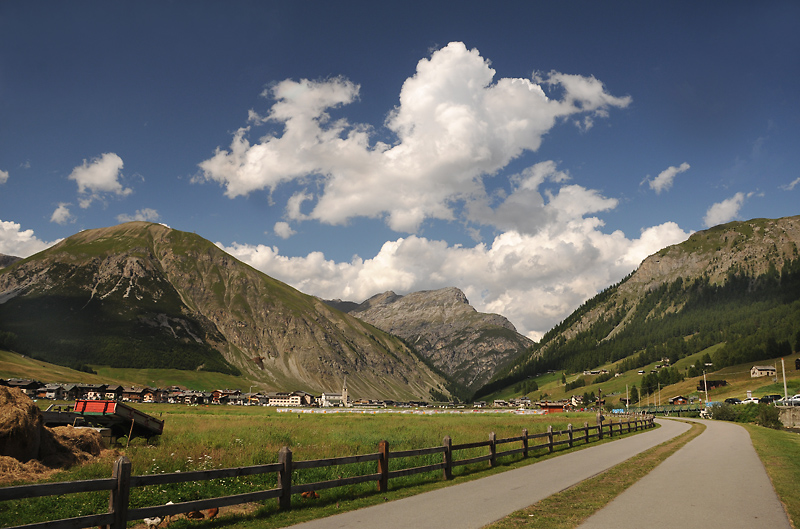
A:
31	451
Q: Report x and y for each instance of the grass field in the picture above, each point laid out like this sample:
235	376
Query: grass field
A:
197	438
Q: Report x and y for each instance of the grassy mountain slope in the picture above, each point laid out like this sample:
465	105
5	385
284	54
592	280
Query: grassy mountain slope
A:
737	284
141	295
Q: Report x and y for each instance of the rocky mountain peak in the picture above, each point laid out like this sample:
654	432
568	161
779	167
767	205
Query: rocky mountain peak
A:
465	344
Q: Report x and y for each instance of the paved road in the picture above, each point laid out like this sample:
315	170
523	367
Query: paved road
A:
477	503
716	480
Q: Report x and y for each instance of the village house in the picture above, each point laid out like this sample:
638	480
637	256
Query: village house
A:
113	392
52	392
28	386
763	371
678	400
93	391
282	398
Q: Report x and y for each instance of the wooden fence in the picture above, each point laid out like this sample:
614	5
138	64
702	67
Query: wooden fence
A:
121	480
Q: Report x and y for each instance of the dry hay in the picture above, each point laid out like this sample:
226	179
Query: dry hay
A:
20	425
28	450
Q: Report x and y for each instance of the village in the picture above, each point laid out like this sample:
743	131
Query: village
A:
233	397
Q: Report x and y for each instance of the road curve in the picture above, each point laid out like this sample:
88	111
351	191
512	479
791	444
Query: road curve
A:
480	502
716	480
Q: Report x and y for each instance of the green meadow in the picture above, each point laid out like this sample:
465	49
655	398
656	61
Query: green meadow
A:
197	438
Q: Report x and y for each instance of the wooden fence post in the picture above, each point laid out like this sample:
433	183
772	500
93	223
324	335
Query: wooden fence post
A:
285	478
599	426
118	499
550	437
493	449
586	431
611	427
569	431
383	466
448	458
524	442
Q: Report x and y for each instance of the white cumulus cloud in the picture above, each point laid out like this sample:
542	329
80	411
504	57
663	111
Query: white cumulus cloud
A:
725	211
3	177
18	242
145	214
455	124
99	177
665	178
283	230
534	280
62	215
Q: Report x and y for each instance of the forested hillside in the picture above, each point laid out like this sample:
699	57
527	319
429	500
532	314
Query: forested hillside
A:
753	309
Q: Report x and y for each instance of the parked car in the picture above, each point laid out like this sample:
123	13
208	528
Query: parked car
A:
789	401
769	399
750	400
733	400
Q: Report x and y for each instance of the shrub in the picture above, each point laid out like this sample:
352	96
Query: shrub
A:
769	417
723	412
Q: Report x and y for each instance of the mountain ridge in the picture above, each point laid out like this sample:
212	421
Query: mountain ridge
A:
467	345
721	285
174	297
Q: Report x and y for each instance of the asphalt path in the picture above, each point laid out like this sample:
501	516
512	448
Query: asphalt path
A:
715	480
477	503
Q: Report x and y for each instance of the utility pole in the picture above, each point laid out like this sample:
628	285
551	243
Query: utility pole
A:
785	393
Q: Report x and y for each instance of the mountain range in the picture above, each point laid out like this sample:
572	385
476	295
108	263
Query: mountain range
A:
142	295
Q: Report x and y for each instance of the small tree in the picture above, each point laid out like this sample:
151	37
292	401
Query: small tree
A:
634	394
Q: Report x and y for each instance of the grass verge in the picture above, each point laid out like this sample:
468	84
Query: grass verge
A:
779	450
571	507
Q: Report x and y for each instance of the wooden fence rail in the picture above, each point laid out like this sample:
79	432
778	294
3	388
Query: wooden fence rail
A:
121	481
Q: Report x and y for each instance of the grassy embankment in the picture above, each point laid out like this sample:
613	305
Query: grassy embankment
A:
779	450
13	365
226	436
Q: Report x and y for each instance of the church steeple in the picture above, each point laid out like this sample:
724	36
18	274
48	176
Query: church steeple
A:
345	399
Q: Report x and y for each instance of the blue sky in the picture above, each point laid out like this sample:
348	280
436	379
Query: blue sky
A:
529	153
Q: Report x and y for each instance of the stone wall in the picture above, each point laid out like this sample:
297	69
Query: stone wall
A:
790	416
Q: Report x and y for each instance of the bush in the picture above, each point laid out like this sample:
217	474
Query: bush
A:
769	417
723	412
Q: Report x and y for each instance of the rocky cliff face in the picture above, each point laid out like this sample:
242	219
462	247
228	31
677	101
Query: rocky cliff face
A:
467	345
6	260
141	294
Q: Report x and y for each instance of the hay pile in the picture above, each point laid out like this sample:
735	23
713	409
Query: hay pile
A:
29	450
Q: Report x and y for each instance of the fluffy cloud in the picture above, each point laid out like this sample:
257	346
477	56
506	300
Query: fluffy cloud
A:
665	178
146	214
534	280
454	125
21	243
3	177
99	177
725	211
62	214
283	230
